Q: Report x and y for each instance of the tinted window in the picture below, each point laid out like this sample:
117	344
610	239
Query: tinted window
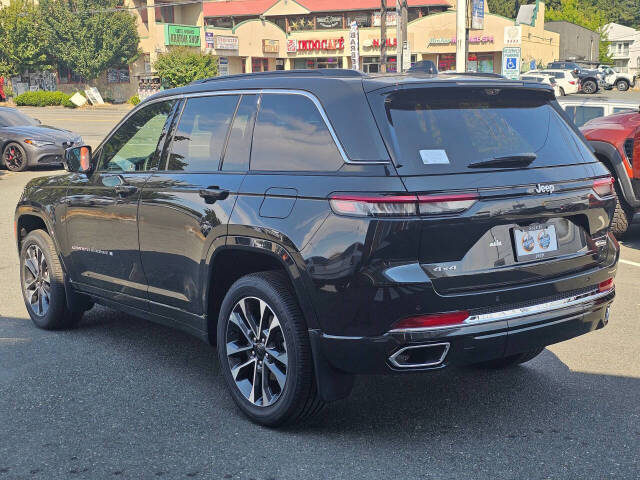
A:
290	134
236	157
10	117
133	145
443	130
623	109
199	138
581	115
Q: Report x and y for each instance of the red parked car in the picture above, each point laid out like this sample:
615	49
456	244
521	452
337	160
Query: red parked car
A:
616	140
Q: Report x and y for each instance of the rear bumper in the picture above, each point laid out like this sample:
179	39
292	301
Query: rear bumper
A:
495	335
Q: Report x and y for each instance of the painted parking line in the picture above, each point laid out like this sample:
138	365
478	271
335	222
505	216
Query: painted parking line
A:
629	262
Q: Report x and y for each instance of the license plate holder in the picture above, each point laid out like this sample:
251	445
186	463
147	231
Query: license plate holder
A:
535	242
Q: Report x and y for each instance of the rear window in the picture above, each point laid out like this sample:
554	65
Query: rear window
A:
581	115
444	130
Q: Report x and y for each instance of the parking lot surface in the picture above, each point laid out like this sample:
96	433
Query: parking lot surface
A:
120	397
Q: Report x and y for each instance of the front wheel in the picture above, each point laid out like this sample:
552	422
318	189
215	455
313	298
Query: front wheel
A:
15	158
511	360
622	85
42	281
264	351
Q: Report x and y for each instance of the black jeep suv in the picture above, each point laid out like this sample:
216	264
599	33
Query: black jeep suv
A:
321	224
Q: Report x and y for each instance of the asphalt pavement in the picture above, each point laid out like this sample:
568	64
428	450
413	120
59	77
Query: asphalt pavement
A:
120	397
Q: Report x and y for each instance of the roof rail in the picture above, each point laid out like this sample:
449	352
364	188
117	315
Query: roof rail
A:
472	74
319	72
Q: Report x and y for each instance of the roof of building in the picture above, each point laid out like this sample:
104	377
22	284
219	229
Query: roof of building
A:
239	8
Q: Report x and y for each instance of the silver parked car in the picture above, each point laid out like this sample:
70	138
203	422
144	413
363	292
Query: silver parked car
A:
25	143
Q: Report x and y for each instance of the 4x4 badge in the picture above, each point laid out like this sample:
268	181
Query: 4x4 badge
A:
541	188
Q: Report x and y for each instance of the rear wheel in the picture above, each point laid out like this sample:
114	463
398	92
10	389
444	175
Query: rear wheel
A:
622	216
14	157
511	360
622	85
42	281
589	87
264	351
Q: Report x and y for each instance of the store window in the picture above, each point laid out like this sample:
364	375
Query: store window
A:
118	74
372	64
485	63
323	62
259	64
220	22
282	23
446	62
164	14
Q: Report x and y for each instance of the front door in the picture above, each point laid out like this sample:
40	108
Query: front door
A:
102	209
186	204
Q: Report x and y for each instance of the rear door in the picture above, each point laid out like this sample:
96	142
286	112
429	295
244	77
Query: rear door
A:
186	204
530	174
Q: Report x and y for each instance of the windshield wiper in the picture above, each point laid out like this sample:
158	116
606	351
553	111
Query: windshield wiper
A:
509	161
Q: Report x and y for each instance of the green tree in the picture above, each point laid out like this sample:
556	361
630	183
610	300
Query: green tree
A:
22	43
182	65
89	36
584	14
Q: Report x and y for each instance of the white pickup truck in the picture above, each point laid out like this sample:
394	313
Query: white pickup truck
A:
621	81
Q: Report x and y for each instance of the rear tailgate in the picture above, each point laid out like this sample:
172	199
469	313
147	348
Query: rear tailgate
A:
536	217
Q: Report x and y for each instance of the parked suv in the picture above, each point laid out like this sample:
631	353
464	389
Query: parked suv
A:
590	80
616	141
318	225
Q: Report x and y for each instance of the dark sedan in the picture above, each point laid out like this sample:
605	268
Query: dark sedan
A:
25	143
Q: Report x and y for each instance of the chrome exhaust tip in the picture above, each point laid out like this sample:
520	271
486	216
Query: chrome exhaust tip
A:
420	356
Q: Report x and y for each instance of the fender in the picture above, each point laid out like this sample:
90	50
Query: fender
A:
290	260
616	163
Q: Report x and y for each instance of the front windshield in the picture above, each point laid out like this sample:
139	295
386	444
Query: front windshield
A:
11	117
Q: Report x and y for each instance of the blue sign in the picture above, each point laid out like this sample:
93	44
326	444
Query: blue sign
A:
477	14
511	62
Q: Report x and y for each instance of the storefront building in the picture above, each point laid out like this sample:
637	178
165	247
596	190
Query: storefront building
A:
262	35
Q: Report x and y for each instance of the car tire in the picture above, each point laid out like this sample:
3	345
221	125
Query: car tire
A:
622	85
277	357
511	360
42	283
622	216
14	157
562	92
589	87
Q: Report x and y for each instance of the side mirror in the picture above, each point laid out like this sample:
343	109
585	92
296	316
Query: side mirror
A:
78	159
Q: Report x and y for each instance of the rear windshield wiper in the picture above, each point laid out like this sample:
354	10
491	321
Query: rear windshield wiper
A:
509	161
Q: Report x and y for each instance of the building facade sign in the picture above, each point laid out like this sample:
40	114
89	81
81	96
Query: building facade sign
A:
292	45
473	39
511	62
208	39
184	35
324	44
354	46
512	35
477	14
270	46
225	42
329	21
391	19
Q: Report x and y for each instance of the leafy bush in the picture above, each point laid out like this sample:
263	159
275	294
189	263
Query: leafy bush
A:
43	99
134	100
181	66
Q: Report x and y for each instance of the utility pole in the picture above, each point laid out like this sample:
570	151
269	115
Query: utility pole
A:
401	29
383	36
462	44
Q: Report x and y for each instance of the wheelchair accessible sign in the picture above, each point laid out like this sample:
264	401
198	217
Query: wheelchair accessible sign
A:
511	62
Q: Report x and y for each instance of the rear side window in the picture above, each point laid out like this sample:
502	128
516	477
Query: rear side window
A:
444	130
236	158
291	135
201	133
581	115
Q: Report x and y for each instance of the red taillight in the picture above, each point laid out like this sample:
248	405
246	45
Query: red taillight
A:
432	320
603	187
400	205
606	285
572	82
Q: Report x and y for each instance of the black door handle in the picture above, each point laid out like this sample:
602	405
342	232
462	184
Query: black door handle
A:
211	194
125	190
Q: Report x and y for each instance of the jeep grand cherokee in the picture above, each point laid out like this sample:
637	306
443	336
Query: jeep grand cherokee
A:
321	224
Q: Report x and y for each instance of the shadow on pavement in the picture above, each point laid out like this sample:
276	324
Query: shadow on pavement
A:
632	237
